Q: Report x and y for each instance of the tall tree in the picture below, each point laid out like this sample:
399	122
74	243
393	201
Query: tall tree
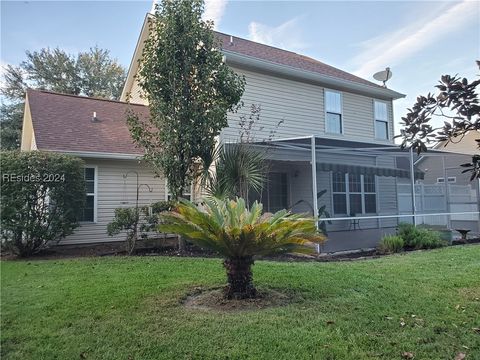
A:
90	73
11	125
458	103
189	90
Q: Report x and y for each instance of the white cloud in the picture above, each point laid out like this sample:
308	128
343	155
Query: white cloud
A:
391	49
286	36
214	10
154	2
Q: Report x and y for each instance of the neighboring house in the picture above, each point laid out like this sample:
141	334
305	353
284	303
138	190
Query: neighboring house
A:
455	189
348	120
433	166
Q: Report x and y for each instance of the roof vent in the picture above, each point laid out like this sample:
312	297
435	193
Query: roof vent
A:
94	117
231	40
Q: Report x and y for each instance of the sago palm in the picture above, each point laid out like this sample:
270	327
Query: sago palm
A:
239	234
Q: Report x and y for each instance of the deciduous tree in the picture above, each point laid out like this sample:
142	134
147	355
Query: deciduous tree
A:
90	73
189	89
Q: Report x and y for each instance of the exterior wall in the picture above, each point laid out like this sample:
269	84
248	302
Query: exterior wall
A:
28	135
113	192
466	145
136	94
433	168
301	107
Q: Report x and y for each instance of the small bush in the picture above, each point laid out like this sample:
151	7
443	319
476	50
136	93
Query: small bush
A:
420	238
137	222
391	244
42	198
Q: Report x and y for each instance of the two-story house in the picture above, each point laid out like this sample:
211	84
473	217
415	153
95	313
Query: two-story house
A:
336	135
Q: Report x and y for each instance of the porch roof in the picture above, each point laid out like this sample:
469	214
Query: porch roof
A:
350	146
301	148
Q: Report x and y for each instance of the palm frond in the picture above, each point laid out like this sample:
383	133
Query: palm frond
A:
229	227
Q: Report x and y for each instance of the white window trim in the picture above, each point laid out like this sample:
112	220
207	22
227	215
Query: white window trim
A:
381	120
347	194
94	194
451	179
342	120
167	191
441	180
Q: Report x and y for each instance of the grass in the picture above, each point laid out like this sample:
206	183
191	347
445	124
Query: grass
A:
426	303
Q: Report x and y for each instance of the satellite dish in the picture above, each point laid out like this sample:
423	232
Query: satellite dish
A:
383	76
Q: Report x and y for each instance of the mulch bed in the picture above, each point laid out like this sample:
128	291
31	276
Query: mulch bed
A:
117	249
212	300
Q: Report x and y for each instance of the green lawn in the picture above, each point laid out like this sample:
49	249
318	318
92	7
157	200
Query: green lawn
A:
128	308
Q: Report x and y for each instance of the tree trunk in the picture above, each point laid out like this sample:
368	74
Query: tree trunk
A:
181	244
239	277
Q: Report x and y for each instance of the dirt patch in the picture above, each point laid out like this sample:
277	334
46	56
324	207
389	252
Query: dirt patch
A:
470	293
212	300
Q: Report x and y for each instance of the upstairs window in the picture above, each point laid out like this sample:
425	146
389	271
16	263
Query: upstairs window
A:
333	112
381	120
89	210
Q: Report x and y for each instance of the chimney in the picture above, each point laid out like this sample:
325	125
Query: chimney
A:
94	117
231	40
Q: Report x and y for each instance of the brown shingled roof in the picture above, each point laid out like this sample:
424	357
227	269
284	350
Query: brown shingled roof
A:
284	57
63	122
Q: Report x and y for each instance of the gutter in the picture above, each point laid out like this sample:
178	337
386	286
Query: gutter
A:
98	155
309	76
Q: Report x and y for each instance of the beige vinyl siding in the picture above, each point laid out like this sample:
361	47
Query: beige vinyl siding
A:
136	94
465	145
28	134
298	104
301	106
114	192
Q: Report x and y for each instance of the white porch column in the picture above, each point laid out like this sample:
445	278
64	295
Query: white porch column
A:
314	182
412	178
447	193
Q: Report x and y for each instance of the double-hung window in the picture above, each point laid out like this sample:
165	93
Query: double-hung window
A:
89	211
187	193
381	120
333	112
354	194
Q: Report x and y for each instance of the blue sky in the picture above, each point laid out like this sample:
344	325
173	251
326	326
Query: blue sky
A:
418	40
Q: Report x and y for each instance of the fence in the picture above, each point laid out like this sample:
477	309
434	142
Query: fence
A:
439	198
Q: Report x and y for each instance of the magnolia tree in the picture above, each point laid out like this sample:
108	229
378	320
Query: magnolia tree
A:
457	102
189	89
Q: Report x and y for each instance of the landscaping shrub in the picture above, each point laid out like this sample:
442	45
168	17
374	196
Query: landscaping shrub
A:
419	238
126	219
42	197
238	233
137	222
391	244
